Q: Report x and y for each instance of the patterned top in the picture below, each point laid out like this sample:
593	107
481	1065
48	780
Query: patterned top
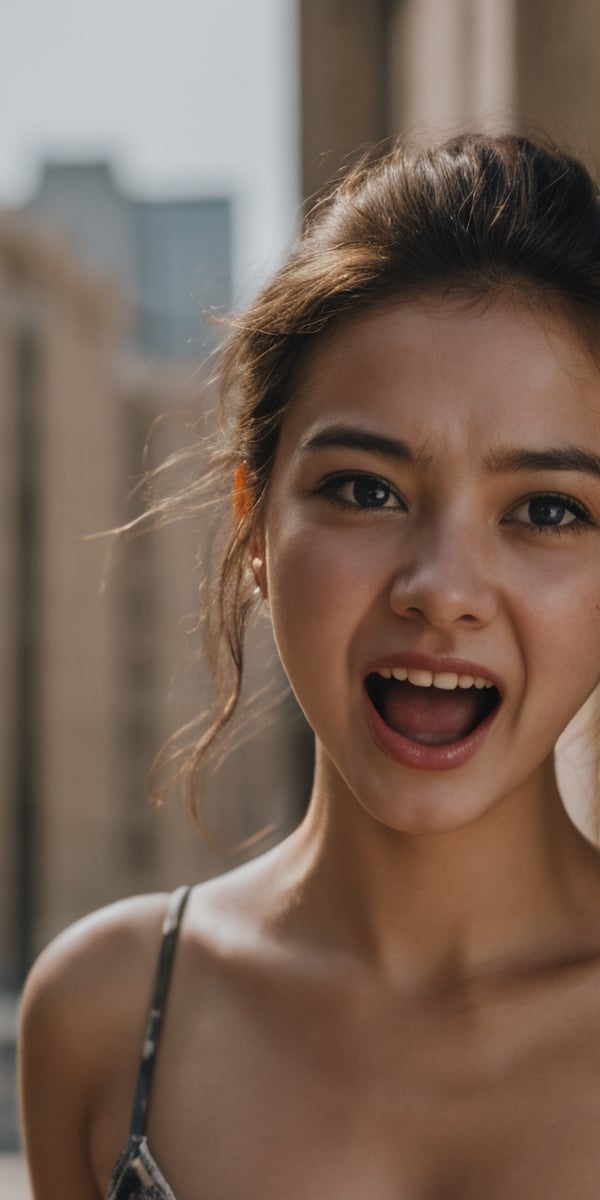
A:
136	1175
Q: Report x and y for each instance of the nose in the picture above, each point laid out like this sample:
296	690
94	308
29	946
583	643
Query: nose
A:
446	581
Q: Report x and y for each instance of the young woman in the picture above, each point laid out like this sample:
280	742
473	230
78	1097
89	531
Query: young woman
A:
402	1000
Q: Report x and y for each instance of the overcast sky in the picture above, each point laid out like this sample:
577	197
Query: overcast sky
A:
184	96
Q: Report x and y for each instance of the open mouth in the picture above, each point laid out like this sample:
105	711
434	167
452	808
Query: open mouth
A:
430	709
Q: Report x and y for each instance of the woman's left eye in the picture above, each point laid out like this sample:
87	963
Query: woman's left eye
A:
551	512
360	491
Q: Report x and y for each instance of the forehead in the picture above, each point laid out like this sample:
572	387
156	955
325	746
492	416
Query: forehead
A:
444	374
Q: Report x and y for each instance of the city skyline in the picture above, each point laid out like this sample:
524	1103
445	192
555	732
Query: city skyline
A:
183	99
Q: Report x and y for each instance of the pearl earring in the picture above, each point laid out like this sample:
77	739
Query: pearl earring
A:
257	566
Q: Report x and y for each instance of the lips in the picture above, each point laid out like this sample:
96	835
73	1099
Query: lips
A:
430	713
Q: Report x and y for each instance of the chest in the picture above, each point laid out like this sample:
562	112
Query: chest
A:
389	1109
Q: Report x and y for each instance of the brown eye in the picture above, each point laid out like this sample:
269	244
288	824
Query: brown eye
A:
369	493
361	491
545	510
551	512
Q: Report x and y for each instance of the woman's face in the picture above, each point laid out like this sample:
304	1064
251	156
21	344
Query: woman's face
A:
432	553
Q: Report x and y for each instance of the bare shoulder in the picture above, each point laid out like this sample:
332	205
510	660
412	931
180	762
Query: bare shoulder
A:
83	1012
112	948
90	989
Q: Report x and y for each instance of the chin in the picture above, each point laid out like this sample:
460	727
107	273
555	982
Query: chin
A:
420	809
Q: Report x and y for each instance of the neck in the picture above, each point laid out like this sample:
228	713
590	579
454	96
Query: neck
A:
508	890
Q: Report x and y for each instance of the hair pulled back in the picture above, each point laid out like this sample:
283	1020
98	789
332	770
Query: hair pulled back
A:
471	217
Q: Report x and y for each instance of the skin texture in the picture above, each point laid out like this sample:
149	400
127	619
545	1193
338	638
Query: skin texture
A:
402	998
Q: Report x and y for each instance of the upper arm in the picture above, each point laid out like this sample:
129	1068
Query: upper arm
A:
55	1082
71	1044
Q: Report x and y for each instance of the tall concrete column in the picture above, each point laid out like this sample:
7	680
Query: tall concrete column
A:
420	67
529	66
344	82
451	65
557	64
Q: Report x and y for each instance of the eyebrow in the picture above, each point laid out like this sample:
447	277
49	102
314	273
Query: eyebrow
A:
502	461
351	437
506	460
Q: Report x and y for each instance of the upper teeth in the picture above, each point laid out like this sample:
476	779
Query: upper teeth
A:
447	680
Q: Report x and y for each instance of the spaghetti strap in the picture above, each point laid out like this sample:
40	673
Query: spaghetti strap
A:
170	930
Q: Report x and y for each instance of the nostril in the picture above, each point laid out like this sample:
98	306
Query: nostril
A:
439	598
434	617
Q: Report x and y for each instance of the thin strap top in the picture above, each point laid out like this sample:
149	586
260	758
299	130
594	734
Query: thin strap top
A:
170	929
136	1175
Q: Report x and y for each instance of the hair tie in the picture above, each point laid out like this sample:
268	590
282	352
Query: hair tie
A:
241	498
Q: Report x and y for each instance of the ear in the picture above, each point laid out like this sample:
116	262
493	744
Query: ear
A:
242	501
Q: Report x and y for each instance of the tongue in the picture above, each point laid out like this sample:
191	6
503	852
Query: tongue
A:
429	715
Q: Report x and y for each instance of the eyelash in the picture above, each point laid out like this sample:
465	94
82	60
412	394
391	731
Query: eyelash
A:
330	488
583	519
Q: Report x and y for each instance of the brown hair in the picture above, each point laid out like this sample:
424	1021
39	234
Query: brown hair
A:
467	218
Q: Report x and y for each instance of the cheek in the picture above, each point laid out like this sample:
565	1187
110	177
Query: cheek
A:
310	581
560	635
320	589
558	593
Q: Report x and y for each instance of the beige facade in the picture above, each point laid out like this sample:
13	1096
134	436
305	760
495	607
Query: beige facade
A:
95	679
343	78
373	68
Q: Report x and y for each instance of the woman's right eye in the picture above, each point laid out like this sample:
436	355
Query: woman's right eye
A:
362	491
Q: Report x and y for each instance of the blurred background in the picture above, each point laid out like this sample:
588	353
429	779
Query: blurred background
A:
154	163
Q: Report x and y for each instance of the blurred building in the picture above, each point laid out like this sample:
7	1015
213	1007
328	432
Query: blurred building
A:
374	68
96	679
172	257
